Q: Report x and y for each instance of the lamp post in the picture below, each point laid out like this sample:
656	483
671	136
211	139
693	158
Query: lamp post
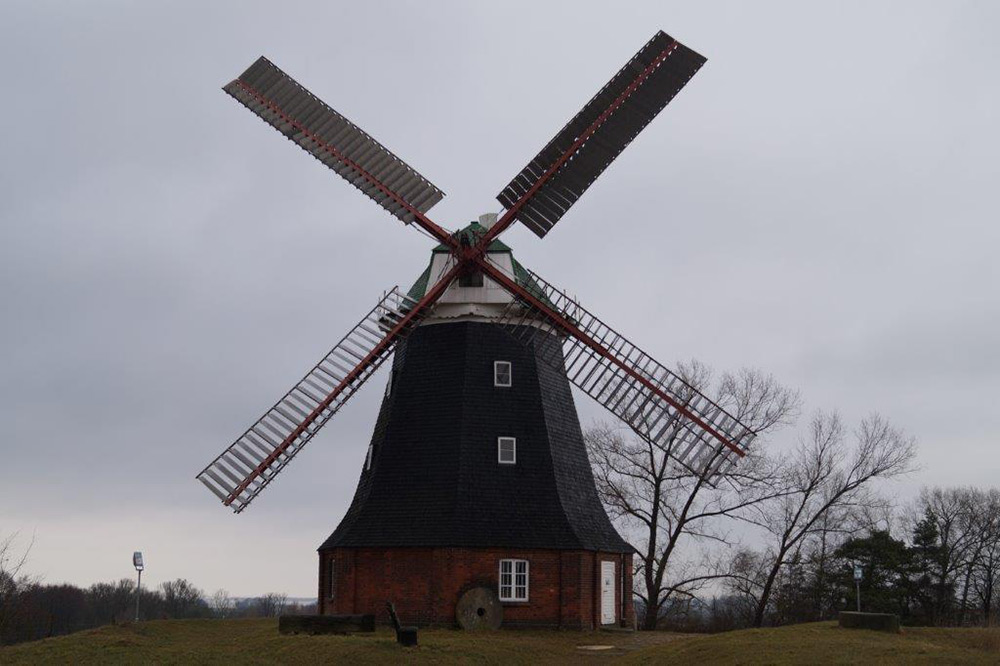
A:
857	584
137	563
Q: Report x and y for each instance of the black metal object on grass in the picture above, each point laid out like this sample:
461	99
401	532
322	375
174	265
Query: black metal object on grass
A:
887	622
405	636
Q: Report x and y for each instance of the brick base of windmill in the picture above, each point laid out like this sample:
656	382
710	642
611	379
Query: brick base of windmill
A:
426	585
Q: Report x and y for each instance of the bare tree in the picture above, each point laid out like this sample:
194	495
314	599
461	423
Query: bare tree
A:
222	604
966	524
110	602
986	578
661	505
271	604
12	580
182	599
12	562
975	528
827	535
825	477
747	573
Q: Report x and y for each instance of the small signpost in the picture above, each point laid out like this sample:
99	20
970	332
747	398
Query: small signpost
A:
857	620
137	563
857	584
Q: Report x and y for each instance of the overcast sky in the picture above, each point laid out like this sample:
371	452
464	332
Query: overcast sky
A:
819	202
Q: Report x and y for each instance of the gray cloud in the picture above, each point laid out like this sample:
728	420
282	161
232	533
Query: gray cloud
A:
818	202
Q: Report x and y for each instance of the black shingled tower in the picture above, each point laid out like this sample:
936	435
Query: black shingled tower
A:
434	479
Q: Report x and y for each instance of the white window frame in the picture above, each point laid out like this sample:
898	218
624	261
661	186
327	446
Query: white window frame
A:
500	459
509	592
510	374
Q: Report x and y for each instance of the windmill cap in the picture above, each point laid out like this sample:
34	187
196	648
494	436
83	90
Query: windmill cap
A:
472	233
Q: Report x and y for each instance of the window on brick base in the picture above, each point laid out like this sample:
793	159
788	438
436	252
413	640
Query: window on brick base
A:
331	578
513	580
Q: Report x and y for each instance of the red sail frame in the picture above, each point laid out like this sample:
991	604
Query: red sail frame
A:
473	257
572	329
390	338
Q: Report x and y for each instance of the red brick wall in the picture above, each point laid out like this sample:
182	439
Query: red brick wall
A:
425	584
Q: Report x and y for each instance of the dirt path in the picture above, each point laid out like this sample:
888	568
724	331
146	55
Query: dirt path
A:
614	644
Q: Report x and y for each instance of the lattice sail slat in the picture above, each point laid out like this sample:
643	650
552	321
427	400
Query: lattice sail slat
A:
334	140
559	175
707	448
247	466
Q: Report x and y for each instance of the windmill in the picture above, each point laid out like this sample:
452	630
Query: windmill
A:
485	353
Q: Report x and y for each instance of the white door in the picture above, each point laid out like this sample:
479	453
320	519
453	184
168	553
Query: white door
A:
607	592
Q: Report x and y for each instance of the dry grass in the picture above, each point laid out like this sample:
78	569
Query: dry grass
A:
258	642
826	643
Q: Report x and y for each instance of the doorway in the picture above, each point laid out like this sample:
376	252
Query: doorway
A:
608	593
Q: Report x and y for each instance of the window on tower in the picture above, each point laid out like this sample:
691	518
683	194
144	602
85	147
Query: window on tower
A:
513	580
502	373
506	450
331	578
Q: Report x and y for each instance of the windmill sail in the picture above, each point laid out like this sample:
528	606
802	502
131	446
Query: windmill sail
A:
559	175
249	464
334	140
654	401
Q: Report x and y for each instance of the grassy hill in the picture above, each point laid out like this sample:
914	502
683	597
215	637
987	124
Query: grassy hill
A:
826	643
258	641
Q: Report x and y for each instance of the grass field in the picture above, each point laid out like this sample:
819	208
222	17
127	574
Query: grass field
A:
258	642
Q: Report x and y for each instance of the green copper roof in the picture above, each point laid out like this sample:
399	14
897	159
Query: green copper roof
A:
419	287
474	232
